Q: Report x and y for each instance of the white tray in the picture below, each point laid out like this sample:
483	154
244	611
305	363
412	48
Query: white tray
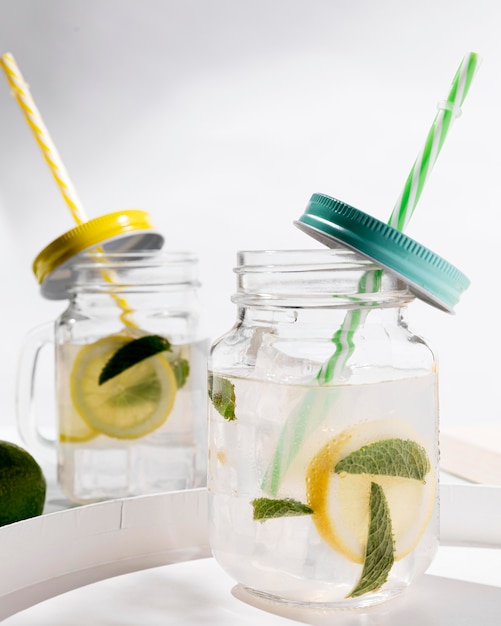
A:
57	552
199	592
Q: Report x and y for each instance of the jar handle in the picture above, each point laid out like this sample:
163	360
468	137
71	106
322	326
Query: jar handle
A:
26	415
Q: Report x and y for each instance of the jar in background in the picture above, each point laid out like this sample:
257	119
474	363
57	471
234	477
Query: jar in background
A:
130	363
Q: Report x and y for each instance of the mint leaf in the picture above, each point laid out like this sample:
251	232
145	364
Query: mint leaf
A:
267	508
181	369
388	457
149	390
379	553
131	353
222	394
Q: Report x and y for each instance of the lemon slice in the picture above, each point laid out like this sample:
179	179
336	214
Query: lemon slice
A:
341	501
131	404
73	429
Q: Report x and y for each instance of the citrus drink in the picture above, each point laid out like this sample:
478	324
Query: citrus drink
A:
135	433
349	515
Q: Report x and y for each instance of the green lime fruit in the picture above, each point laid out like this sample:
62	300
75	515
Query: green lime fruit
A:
22	484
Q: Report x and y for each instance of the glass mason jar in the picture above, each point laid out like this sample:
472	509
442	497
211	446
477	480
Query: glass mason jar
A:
323	432
140	426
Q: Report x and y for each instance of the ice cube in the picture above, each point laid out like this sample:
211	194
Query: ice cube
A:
288	360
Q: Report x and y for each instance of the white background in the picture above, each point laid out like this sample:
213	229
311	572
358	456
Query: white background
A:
222	117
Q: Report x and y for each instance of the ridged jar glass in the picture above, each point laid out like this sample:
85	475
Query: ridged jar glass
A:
323	432
144	429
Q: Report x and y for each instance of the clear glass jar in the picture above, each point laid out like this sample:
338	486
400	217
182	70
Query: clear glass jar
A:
144	429
323	432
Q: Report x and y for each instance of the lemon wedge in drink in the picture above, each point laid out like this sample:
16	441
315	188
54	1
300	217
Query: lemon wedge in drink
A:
73	429
340	499
131	404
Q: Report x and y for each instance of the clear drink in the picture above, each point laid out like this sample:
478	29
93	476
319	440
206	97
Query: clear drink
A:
112	460
319	557
323	432
130	360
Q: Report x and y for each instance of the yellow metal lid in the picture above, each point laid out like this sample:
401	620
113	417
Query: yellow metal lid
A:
123	231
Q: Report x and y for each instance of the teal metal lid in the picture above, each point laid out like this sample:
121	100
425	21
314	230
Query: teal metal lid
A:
430	277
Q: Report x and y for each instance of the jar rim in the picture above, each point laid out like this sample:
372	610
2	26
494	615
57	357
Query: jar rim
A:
96	272
320	258
138	258
315	278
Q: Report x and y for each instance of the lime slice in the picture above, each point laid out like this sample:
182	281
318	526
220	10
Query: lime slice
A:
340	501
131	404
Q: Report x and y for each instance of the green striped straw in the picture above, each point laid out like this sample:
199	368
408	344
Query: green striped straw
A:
448	110
312	411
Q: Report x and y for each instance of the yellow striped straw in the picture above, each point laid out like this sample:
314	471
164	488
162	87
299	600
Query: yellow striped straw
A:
21	93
